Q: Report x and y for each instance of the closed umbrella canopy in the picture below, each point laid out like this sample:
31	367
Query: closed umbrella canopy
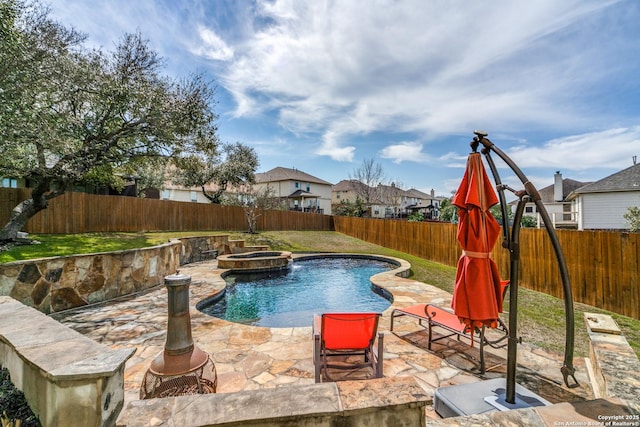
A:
477	298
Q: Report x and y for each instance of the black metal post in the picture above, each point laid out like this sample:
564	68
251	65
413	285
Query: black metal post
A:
512	348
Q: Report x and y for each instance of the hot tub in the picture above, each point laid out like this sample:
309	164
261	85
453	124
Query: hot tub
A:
255	261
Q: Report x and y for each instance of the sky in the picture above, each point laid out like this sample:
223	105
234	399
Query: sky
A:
322	86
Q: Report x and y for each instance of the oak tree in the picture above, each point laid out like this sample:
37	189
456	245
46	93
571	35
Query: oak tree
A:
70	115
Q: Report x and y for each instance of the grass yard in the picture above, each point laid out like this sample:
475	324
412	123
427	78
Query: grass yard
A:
541	319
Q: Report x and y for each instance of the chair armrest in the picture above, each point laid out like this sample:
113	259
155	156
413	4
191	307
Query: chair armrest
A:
316	325
317	362
379	354
380	344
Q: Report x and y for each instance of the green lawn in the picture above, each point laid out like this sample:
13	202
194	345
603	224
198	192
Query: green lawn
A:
541	319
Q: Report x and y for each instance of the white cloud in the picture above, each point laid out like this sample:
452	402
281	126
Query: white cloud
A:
212	47
379	64
331	148
562	74
610	148
404	152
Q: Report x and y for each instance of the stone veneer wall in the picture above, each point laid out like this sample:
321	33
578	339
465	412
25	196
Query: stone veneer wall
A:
60	283
381	402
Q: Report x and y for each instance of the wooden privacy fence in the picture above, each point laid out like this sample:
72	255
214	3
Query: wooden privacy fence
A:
86	213
603	266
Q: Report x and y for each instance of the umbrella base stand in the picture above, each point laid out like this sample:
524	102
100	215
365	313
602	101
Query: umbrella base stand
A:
481	397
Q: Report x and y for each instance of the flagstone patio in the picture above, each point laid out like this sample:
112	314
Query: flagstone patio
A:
249	358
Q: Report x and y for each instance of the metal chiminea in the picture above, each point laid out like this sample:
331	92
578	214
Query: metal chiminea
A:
181	368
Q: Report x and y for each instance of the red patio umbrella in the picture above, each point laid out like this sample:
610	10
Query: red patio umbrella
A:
477	298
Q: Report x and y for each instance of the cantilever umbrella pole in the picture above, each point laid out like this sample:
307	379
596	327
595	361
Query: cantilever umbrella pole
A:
567	369
511	243
513	304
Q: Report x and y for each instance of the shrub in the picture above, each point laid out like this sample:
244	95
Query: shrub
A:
633	218
528	222
16	410
415	217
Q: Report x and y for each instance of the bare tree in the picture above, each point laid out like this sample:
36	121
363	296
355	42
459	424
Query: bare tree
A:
369	175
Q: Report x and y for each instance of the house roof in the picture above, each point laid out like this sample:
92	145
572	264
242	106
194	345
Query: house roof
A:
286	174
625	180
412	192
351	185
418	207
568	185
547	193
390	189
302	194
346	185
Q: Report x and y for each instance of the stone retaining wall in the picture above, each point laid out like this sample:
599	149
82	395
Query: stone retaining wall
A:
60	283
615	366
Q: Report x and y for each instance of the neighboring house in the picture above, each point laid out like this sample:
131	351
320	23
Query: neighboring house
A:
400	203
554	199
391	200
382	201
601	205
129	188
427	204
388	201
349	190
345	191
12	183
178	193
299	190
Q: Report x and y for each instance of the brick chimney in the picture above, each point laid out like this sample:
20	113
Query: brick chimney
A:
557	187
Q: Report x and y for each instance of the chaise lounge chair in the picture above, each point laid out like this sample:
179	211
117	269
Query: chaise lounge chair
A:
343	335
435	316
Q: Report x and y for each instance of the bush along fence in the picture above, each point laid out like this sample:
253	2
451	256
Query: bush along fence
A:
604	267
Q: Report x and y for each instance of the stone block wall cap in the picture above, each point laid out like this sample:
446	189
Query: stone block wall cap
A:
601	323
275	406
102	365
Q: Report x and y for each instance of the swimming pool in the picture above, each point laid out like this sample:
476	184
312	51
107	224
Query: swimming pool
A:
289	298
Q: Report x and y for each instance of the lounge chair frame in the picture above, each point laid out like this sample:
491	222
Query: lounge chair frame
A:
433	315
372	352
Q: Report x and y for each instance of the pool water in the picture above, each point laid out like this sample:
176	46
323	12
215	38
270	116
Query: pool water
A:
290	297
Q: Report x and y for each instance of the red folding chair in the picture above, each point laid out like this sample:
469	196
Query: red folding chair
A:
345	337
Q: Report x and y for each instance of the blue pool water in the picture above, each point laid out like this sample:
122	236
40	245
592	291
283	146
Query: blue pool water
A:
289	298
